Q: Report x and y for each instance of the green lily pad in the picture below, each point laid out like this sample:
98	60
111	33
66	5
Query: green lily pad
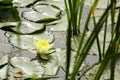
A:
22	3
51	65
3	66
26	41
3	60
102	4
28	27
57	3
43	13
8	24
29	68
3	72
60	25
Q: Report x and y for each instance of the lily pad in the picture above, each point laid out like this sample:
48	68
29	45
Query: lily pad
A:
102	4
60	25
3	60
28	27
57	3
8	24
43	13
3	72
3	66
50	66
22	3
26	41
30	68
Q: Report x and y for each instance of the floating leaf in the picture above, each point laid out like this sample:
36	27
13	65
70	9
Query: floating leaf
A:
30	68
57	3
26	41
51	65
43	13
3	72
3	67
22	3
8	24
61	25
3	60
28	27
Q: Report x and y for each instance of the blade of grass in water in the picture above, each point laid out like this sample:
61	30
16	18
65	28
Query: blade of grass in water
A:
113	60
68	51
113	17
76	65
72	24
104	39
80	13
68	42
92	66
87	46
98	42
111	47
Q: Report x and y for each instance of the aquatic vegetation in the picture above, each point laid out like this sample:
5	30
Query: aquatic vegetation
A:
80	30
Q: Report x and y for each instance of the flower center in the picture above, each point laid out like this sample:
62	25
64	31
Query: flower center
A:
44	43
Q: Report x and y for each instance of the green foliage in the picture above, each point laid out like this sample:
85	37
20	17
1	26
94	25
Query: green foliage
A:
25	21
84	48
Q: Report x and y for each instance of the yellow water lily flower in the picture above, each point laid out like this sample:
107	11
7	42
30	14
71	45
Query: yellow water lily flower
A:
43	46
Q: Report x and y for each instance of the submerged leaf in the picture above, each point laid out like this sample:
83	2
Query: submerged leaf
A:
9	15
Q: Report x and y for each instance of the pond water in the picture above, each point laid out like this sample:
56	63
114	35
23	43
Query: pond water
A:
45	20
